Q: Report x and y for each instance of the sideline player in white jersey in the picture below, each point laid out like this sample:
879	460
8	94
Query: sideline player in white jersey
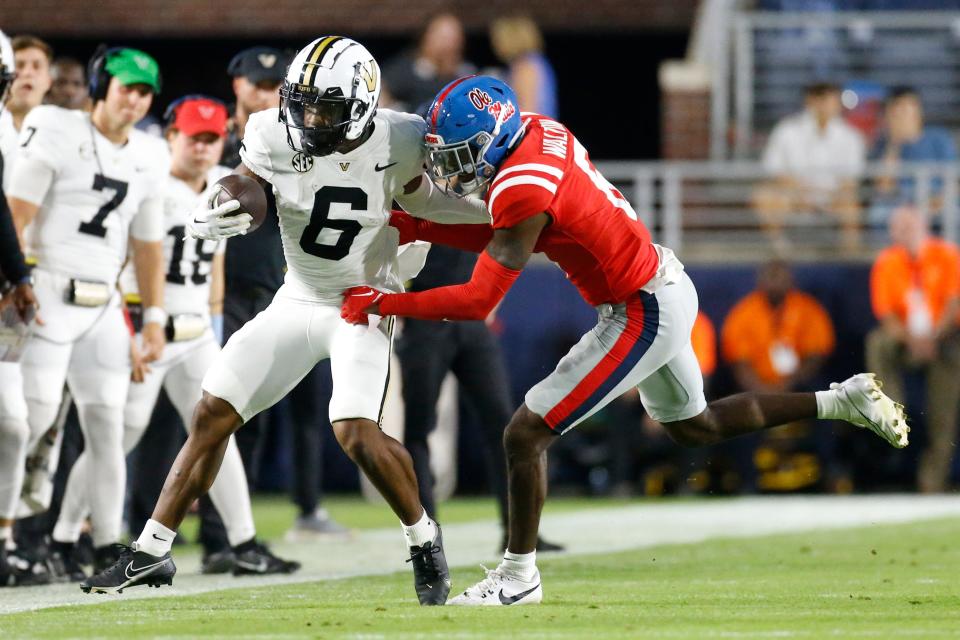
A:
196	130
16	295
335	165
88	185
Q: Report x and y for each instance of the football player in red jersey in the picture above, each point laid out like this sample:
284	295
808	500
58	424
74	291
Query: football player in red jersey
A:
544	195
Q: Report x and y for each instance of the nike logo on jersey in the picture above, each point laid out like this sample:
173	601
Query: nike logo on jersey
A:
516	598
133	572
377	166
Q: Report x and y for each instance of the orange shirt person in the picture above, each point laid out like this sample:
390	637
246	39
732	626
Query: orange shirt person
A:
914	286
777	337
704	341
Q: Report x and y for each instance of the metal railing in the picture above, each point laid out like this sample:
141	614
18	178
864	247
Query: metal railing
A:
761	61
707	209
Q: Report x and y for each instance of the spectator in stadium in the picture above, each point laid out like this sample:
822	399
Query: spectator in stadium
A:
257	73
777	338
69	89
814	160
907	139
411	80
915	293
517	41
254	271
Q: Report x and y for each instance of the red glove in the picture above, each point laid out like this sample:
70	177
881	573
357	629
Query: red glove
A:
358	302
405	224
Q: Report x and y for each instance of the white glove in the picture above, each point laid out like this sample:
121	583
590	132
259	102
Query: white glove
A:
216	222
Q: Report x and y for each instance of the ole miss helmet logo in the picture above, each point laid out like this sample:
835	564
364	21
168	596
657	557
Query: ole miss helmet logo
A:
482	101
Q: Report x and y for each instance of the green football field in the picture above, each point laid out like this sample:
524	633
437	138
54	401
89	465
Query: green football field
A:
876	581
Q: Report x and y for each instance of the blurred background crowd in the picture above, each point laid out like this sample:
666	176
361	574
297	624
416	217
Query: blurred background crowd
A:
799	155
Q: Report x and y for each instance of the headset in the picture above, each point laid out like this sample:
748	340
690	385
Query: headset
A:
97	72
171	112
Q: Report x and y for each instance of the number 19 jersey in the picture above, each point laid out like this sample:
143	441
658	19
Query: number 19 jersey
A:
335	210
188	262
98	189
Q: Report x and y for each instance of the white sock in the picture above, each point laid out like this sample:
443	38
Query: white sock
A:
519	565
6	533
423	531
155	539
828	405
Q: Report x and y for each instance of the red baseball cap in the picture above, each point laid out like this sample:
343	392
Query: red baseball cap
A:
200	115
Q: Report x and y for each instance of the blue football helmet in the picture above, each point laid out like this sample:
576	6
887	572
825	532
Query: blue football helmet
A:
471	126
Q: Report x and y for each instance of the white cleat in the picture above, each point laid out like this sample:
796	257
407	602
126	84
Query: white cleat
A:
867	406
500	590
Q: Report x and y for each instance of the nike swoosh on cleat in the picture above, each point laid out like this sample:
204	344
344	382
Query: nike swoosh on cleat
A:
377	166
139	571
515	598
259	568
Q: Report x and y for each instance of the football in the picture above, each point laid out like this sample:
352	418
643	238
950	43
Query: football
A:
252	197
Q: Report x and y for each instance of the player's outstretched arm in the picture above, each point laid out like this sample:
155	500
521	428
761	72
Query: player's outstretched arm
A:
468	237
422	199
497	269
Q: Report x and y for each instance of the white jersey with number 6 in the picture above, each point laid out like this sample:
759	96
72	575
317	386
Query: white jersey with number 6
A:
335	210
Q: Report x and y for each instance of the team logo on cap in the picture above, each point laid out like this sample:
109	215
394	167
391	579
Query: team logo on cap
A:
206	111
267	60
141	61
302	162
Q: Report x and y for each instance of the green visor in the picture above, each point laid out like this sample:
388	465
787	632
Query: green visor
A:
131	66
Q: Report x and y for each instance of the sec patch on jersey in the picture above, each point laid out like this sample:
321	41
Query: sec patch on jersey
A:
247	191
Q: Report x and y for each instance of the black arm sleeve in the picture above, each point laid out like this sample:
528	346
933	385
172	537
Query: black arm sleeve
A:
12	265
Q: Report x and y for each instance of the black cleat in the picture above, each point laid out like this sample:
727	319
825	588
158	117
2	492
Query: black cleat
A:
131	569
223	561
18	571
258	560
431	577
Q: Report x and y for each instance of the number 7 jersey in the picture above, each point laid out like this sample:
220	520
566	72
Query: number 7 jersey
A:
594	234
334	210
83	224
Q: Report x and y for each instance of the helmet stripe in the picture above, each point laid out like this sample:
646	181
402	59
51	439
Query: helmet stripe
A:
312	61
443	96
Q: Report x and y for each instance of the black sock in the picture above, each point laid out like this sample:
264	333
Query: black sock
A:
65	548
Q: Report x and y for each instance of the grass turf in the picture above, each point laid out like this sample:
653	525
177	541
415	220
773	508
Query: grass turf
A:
874	582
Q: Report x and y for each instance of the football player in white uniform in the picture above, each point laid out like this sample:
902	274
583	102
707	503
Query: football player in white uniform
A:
17	297
88	185
335	165
197	128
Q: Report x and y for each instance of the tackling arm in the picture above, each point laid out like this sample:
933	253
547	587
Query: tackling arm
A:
496	270
421	198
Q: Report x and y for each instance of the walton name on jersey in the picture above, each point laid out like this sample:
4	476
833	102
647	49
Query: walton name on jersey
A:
334	210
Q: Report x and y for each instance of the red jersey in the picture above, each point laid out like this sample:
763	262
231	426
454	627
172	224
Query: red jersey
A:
595	236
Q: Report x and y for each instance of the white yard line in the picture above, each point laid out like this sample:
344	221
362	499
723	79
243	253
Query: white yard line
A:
588	531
